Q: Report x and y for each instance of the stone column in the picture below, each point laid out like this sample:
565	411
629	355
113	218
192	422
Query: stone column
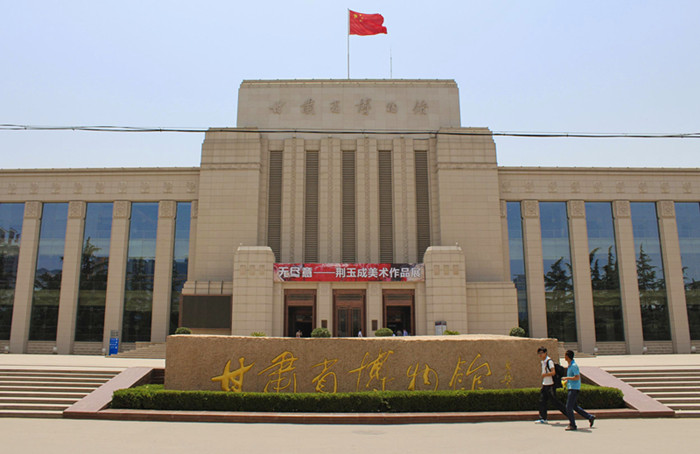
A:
116	275
293	176
673	272
26	268
375	307
627	267
534	269
400	202
324	305
70	280
325	201
367	201
163	272
583	291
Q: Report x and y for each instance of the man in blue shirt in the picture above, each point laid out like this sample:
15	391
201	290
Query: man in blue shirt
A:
573	384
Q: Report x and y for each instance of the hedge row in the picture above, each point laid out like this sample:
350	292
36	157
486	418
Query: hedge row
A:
154	397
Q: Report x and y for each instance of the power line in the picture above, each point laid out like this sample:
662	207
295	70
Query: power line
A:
461	132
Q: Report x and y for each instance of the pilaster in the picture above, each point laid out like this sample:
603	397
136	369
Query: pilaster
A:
163	272
583	292
627	267
534	268
26	268
673	272
375	307
70	279
116	275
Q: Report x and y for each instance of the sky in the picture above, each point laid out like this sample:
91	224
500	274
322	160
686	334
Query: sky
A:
624	66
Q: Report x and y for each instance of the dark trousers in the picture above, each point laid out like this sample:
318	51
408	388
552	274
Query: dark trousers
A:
547	393
571	407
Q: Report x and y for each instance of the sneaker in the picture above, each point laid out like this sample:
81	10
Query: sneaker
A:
591	421
541	421
571	428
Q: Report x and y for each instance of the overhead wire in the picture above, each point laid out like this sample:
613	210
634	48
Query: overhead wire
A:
432	132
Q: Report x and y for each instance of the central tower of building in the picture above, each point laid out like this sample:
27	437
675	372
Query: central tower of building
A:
351	205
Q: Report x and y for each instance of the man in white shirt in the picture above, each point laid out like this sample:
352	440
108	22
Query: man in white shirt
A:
548	392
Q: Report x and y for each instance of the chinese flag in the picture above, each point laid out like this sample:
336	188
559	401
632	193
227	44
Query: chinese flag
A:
366	24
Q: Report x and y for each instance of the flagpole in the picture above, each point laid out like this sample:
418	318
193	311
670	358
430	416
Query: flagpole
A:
348	19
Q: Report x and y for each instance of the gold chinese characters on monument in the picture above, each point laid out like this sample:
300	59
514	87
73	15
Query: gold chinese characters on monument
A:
288	365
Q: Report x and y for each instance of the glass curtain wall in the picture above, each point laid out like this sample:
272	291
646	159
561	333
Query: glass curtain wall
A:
92	293
517	262
650	272
11	217
688	220
558	275
49	270
140	265
605	277
181	254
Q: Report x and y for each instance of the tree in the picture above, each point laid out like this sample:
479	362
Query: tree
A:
557	278
646	272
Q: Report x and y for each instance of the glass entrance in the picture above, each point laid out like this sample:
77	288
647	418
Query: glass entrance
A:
300	308
398	311
349	313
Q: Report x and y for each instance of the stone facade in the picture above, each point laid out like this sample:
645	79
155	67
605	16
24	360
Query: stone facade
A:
251	207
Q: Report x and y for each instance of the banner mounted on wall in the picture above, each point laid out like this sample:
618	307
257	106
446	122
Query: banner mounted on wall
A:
349	272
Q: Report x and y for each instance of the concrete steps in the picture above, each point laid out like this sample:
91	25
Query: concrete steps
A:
145	350
678	389
42	393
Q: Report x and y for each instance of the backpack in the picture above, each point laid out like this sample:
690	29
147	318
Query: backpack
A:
559	372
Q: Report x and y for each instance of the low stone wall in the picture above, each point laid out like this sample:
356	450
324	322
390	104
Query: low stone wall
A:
271	364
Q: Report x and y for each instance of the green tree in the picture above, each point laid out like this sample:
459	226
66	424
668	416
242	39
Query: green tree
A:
646	272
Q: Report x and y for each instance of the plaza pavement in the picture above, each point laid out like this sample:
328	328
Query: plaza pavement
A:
69	436
59	436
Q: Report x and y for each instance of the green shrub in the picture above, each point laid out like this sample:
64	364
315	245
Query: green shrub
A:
183	330
384	332
517	332
450	333
154	397
258	334
320	332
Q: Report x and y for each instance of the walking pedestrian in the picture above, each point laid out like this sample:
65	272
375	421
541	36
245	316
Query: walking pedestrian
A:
548	391
573	384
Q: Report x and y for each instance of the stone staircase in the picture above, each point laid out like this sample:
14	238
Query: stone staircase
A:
146	350
45	393
677	388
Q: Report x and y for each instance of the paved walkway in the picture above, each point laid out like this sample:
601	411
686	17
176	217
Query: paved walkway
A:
78	361
29	436
605	362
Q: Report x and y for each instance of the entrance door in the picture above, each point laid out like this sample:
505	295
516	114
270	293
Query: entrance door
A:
399	311
300	312
349	310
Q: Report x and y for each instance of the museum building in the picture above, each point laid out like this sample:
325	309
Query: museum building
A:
351	205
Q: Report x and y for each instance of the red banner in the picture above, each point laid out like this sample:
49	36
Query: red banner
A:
349	272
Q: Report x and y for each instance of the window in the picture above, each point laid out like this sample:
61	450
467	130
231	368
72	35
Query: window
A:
650	272
181	257
688	220
605	278
89	324
138	295
49	270
558	276
517	262
11	218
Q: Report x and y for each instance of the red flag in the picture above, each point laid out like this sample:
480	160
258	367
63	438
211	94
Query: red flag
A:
366	24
